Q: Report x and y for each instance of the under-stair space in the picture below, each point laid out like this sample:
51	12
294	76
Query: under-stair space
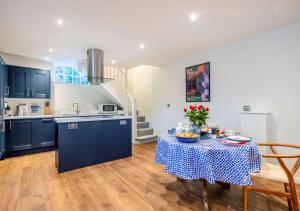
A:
145	134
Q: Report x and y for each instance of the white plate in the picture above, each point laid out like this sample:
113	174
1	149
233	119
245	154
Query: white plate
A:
233	143
238	138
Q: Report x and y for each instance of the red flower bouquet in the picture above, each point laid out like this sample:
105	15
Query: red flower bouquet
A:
197	114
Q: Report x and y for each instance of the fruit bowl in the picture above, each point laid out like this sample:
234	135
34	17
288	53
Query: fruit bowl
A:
187	138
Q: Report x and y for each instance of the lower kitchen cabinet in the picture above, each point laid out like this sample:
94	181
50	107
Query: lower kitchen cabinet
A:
81	144
18	135
29	134
43	133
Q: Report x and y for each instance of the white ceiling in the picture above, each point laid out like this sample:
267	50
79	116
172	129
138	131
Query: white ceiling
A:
118	27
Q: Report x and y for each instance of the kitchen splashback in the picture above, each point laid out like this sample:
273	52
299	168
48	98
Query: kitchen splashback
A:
14	102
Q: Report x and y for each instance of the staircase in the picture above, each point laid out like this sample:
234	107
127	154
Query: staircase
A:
142	133
145	134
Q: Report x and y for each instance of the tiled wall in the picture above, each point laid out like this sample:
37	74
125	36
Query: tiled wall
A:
14	102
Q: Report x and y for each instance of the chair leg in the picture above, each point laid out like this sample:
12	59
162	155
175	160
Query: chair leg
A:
245	198
294	196
289	201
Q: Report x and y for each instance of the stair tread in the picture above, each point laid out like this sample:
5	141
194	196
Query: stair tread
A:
143	129
146	137
142	122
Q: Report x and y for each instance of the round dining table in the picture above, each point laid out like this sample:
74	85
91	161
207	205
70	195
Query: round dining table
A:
208	160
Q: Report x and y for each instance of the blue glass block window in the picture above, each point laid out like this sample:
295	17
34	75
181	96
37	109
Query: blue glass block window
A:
69	75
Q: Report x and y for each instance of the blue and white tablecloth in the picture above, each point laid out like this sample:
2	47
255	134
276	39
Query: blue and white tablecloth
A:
208	159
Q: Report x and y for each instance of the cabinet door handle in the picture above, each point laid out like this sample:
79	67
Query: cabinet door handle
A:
26	92
32	93
47	120
7	90
10	125
2	126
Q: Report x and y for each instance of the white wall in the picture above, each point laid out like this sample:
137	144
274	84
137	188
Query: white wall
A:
262	71
140	85
88	97
26	61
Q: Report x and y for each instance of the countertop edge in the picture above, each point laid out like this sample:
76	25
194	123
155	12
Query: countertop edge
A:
82	119
57	116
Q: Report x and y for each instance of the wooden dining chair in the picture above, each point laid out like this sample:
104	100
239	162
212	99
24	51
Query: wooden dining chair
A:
279	173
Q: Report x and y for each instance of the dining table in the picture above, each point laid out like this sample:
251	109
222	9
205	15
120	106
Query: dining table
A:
208	160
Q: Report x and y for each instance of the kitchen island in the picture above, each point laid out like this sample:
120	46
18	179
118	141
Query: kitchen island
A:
85	141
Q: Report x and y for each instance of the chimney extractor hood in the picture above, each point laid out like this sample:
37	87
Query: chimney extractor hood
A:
95	66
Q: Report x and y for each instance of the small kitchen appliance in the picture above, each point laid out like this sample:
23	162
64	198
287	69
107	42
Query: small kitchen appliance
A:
22	110
107	108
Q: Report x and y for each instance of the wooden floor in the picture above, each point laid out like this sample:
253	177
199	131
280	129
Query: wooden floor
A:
137	183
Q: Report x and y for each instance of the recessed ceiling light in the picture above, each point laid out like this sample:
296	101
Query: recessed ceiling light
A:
276	7
47	58
50	50
113	61
59	22
193	17
142	46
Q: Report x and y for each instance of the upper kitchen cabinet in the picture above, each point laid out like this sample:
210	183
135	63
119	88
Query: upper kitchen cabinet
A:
40	84
26	82
19	82
5	82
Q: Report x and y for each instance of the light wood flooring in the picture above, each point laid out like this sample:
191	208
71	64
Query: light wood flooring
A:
32	183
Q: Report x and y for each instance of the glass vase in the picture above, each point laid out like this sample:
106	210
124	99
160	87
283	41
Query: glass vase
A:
196	129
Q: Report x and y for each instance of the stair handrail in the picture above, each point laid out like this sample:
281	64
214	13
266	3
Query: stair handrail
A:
132	111
119	84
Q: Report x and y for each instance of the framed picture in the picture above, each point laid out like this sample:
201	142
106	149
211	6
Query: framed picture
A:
198	83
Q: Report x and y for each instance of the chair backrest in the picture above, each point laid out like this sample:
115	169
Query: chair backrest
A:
289	172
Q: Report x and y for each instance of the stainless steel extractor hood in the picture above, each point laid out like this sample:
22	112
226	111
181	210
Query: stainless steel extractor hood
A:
95	66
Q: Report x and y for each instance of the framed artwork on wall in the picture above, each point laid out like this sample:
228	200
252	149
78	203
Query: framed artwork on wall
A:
198	83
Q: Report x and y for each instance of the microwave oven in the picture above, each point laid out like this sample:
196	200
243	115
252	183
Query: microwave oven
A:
107	108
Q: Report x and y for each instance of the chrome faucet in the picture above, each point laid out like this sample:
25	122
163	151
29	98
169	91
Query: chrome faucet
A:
76	108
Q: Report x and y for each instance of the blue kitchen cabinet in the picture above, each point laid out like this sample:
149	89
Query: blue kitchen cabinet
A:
2	123
18	135
19	82
5	82
81	144
40	84
29	134
43	134
26	82
2	145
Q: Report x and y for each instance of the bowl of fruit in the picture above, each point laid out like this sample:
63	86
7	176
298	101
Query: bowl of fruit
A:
187	137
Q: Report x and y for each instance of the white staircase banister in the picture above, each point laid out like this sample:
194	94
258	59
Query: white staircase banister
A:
133	108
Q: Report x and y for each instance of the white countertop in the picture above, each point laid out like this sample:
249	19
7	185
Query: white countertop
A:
89	119
58	116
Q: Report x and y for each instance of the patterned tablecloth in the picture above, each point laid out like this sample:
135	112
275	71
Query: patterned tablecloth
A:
208	159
